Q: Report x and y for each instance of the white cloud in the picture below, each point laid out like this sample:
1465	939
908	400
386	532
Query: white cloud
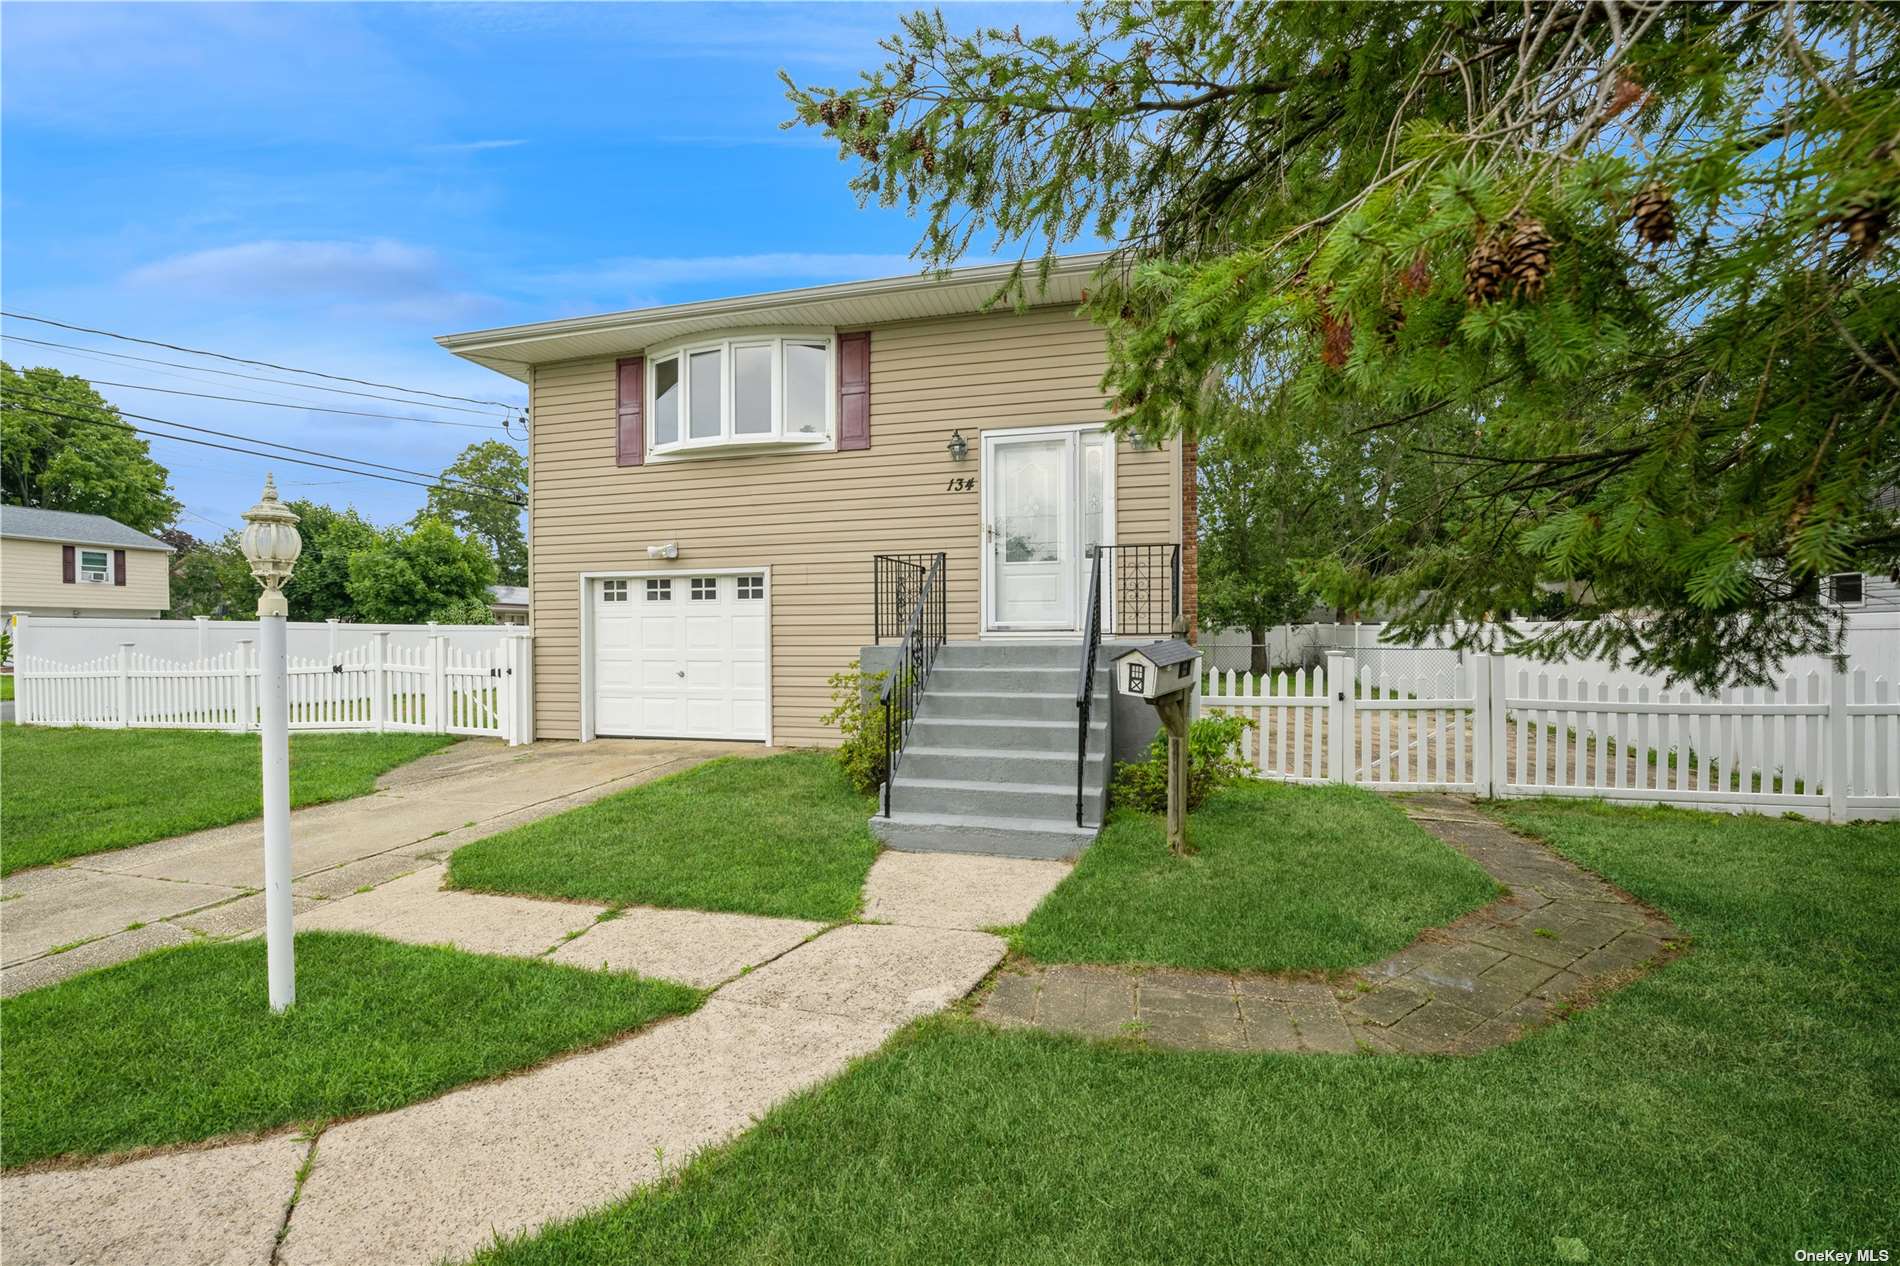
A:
475	147
375	269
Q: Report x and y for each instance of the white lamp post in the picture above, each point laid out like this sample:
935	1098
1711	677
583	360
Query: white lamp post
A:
271	545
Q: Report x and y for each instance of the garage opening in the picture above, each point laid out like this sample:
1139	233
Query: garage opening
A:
682	655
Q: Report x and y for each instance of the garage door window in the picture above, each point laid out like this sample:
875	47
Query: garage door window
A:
751	588
659	591
705	589
613	591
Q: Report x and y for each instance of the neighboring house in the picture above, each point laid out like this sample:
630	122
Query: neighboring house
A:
710	483
1863	591
55	562
509	603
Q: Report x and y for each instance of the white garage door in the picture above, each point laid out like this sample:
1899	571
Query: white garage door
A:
681	656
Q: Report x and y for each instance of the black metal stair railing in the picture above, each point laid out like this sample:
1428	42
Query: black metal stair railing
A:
896	580
1144	588
925	630
1085	687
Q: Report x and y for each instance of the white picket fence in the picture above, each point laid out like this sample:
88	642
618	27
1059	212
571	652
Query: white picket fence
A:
1827	746
432	688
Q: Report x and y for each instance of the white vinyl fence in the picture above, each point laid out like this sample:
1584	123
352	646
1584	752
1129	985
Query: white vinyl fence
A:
417	679
1826	746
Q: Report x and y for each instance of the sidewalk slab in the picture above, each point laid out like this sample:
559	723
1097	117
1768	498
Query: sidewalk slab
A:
416	908
220	1207
957	890
87	904
873	972
36	973
411	1187
688	946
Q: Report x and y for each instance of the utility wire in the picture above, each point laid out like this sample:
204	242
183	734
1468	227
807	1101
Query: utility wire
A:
433	481
286	404
232	373
245	360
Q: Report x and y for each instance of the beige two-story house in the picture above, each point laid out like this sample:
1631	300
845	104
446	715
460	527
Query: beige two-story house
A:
56	562
730	500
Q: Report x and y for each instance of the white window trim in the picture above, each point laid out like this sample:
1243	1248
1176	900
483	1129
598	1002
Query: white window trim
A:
728	441
104	570
1856	603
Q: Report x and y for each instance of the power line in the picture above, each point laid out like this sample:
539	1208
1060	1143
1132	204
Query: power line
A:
312	408
232	373
299	461
245	360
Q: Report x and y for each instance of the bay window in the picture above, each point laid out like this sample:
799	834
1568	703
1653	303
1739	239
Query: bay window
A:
743	389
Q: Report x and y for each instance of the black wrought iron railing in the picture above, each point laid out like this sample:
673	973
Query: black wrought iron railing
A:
925	629
1144	588
896	580
1085	685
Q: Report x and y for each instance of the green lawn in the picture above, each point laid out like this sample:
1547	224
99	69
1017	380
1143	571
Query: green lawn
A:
1282	878
776	835
1735	1106
6	688
69	792
181	1044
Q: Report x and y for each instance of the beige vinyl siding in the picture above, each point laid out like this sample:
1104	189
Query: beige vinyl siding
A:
813	519
31	579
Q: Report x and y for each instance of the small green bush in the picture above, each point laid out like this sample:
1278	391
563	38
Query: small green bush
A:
1214	760
861	725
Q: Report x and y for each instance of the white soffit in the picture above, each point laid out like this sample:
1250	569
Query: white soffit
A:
511	350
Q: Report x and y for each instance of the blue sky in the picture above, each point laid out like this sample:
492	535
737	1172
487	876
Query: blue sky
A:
330	186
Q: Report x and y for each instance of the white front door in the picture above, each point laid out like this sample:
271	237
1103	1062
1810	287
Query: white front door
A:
681	656
1046	499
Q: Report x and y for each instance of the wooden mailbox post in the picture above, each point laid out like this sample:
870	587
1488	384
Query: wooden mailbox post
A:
1163	673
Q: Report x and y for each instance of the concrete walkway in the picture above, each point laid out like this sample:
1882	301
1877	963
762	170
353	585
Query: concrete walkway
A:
1558	937
207	883
439	1179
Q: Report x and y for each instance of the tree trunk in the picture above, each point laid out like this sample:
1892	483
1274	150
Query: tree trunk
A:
1257	660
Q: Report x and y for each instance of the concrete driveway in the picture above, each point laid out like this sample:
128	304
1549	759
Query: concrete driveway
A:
124	903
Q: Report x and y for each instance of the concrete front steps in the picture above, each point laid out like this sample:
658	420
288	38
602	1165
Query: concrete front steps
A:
991	761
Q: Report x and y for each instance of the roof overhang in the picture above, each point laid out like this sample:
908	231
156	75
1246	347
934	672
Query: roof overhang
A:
514	349
88	542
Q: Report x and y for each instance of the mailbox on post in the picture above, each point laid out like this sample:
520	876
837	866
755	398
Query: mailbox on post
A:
1164	674
1162	668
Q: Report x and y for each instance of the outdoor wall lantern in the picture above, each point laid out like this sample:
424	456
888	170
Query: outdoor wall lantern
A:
271	545
958	446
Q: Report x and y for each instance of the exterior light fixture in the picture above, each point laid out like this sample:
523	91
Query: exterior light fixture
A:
669	550
958	446
271	545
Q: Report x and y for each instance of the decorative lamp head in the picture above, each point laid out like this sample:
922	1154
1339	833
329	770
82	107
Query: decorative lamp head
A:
271	545
958	446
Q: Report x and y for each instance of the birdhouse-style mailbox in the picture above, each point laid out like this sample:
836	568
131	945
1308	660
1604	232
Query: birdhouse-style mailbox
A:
1156	670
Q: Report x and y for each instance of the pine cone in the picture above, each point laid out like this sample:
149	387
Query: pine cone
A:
1417	278
1484	270
1654	213
930	161
1865	221
1528	256
828	110
1335	338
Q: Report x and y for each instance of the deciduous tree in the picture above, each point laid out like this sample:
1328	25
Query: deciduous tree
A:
62	447
480	495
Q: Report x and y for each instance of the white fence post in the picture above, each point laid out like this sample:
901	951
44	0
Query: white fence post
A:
124	697
1837	759
505	690
438	701
379	682
1339	749
1497	743
1478	671
23	691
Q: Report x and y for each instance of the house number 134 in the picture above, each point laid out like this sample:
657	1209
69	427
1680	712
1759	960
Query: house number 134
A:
963	483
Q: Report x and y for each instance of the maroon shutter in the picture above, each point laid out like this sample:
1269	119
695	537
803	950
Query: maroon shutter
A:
68	565
630	447
118	566
854	391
